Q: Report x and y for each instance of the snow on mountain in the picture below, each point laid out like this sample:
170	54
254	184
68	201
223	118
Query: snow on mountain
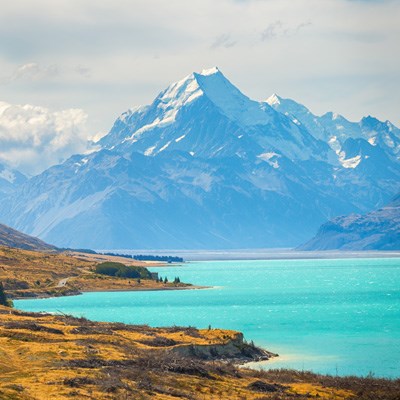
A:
335	129
10	179
214	117
204	166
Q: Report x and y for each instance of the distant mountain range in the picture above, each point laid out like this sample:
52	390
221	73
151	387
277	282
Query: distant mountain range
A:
377	230
12	238
204	166
10	179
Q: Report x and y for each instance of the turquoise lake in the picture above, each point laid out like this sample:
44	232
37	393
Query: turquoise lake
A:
330	316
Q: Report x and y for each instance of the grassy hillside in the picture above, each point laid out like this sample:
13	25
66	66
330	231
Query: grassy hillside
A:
13	238
61	357
27	273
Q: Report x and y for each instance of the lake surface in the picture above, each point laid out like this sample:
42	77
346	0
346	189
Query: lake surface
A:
329	316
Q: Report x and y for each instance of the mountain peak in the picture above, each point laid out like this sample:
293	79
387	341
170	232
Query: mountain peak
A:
229	99
273	100
210	71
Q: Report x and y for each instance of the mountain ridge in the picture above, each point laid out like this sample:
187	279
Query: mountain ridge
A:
183	173
377	230
10	179
12	238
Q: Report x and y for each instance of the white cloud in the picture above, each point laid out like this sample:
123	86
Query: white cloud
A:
33	138
33	71
346	61
223	40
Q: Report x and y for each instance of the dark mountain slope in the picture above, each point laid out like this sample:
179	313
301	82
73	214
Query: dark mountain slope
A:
377	230
12	238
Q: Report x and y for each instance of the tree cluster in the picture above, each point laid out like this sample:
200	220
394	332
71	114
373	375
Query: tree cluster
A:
122	271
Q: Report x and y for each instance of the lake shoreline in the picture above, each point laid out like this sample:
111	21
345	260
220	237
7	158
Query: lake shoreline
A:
193	255
319	312
70	293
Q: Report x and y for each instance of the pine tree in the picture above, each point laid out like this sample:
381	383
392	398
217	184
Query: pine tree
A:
3	298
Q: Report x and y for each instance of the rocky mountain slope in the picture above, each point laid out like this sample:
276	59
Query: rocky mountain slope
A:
377	230
13	238
204	166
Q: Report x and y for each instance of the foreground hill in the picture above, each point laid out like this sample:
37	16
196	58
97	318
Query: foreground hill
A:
204	166
61	357
13	238
377	230
26	273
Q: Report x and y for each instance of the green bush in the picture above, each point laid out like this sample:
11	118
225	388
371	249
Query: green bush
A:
122	271
3	298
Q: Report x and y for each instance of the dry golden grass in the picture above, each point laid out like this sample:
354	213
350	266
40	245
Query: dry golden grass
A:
31	273
98	258
60	357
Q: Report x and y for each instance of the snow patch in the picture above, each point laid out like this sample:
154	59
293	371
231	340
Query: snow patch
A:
170	102
389	141
350	162
268	157
7	175
180	138
149	151
137	109
273	100
334	144
296	121
218	150
164	147
209	71
231	101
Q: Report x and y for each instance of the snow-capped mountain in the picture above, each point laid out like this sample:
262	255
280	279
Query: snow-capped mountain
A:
204	166
214	120
334	129
377	230
10	179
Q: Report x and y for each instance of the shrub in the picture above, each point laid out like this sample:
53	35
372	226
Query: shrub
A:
3	298
122	271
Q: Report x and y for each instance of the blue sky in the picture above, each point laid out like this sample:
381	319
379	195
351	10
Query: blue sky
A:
102	57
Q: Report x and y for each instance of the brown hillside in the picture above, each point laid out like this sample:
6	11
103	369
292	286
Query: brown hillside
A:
13	238
61	357
26	273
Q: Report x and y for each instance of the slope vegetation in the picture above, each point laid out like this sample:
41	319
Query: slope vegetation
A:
61	357
37	274
13	238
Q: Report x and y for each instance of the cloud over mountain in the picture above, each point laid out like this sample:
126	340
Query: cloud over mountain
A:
32	138
204	166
